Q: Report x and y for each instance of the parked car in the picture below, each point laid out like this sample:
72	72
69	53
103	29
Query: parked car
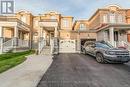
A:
104	52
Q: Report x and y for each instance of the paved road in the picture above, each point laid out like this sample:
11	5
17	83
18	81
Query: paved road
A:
77	70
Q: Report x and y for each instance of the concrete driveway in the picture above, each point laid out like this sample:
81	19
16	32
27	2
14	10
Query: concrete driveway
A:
27	74
77	70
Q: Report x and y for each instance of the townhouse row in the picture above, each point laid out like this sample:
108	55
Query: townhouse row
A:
61	34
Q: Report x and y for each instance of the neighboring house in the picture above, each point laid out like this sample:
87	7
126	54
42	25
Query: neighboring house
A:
112	25
55	33
15	32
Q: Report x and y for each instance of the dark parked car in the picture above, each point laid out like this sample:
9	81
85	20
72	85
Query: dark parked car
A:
105	52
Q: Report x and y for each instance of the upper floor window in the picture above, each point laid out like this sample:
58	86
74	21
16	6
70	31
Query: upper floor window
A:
120	18
112	18
23	18
82	27
65	23
53	17
105	18
35	22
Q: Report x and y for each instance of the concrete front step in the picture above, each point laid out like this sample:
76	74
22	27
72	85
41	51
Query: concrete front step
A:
47	47
46	50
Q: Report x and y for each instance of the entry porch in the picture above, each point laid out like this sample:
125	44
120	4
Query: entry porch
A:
116	35
48	35
14	35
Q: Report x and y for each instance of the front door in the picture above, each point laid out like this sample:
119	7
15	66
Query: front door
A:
48	40
128	37
115	35
51	37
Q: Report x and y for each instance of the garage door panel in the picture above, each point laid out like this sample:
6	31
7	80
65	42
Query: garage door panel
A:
67	46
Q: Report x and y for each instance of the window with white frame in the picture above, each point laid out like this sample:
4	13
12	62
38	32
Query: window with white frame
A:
112	18
23	18
65	23
53	17
120	18
105	18
82	26
35	22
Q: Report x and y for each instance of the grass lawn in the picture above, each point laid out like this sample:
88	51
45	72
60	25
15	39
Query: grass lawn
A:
10	60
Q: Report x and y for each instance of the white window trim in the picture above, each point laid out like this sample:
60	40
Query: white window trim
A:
112	17
23	19
105	18
35	23
120	18
53	17
82	26
65	23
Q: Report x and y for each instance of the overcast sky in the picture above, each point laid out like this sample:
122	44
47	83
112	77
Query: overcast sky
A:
79	9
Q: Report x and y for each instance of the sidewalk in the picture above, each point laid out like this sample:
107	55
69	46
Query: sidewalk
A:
27	74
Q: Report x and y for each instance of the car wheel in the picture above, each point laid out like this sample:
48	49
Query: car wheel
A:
99	58
122	62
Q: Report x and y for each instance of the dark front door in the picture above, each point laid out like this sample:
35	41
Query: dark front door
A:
128	37
115	35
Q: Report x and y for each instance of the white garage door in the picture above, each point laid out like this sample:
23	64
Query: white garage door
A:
67	46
